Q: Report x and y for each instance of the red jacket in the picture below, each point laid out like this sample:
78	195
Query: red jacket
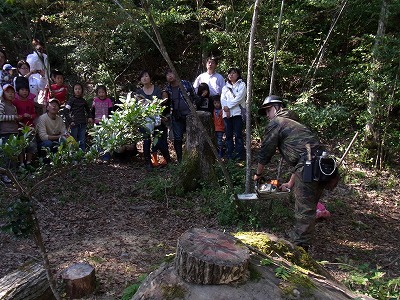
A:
218	120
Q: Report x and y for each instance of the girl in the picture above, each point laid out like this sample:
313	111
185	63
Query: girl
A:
149	90
204	102
232	99
102	105
77	115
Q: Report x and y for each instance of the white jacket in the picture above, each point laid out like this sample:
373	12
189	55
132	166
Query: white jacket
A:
232	96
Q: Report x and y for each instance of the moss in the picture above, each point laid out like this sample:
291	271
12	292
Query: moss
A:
255	275
173	292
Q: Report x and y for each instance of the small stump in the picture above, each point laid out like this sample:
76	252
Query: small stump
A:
208	256
79	280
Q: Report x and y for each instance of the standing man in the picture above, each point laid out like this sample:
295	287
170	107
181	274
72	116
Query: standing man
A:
214	80
292	139
179	108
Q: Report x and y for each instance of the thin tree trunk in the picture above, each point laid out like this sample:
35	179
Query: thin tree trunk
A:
271	84
249	95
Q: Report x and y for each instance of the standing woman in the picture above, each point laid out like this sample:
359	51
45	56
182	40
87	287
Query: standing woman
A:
233	98
149	90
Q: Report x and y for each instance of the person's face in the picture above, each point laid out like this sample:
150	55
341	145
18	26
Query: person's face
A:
211	65
270	112
39	49
145	79
59	79
233	76
78	90
23	92
53	107
217	104
23	70
9	94
170	77
101	94
2	59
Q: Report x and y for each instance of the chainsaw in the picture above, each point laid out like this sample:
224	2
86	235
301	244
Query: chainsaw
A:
265	190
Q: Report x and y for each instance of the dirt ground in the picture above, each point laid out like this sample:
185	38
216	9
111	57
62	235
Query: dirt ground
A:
114	225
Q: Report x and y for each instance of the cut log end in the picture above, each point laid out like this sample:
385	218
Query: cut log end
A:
207	256
80	280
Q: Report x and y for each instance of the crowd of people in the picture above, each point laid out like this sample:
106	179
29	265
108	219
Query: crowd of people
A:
34	95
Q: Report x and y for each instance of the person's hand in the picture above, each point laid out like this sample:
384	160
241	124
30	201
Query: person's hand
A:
28	116
90	121
72	123
285	187
226	109
18	117
256	177
204	93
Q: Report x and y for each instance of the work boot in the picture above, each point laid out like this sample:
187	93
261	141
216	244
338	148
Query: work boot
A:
154	160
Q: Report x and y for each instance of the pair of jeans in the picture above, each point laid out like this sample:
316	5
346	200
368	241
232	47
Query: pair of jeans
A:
234	129
220	144
178	129
79	134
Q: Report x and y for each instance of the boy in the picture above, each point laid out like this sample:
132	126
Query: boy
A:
59	89
24	102
219	125
9	121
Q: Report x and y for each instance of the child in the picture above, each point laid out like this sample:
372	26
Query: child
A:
102	106
59	89
204	101
8	120
219	125
25	105
76	113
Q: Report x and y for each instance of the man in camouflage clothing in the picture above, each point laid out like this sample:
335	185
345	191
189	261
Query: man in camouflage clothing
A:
291	137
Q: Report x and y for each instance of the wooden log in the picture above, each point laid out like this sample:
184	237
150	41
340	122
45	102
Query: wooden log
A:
27	283
208	256
79	280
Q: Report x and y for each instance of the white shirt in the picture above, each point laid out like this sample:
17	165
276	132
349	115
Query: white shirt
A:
215	82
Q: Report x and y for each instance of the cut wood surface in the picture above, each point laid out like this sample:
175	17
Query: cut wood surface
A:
79	280
208	256
27	283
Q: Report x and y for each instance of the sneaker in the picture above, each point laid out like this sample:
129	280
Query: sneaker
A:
5	179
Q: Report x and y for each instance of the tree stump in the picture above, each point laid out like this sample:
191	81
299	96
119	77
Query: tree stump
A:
208	256
80	280
199	158
27	283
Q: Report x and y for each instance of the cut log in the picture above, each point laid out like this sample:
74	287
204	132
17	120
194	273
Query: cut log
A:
208	256
79	280
27	283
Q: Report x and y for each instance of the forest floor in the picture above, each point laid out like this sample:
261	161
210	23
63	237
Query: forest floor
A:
100	214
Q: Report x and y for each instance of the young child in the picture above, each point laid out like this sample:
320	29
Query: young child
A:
25	105
219	125
59	89
204	102
77	114
8	121
102	105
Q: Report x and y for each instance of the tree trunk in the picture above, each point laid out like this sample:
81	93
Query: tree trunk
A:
208	256
79	280
27	283
200	164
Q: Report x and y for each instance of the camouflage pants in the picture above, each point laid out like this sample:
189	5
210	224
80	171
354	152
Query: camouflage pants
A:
306	196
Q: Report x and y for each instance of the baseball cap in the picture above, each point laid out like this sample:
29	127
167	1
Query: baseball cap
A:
8	67
6	86
54	100
268	102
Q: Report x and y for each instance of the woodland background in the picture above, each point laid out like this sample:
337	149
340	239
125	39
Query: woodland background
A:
337	61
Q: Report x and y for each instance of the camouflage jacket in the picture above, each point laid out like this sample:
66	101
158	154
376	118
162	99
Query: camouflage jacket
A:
289	136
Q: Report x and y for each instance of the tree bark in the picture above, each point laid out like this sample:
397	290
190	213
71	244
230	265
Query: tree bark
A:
207	256
80	280
27	283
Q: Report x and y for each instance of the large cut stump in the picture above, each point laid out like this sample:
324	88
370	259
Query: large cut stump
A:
208	256
199	157
80	280
27	283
